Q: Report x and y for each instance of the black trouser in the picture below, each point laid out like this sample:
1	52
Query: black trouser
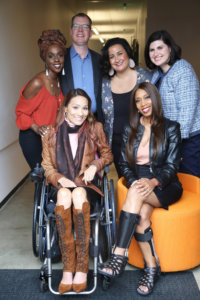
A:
116	150
191	156
31	145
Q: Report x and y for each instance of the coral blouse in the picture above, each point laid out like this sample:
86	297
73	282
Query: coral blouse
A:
41	109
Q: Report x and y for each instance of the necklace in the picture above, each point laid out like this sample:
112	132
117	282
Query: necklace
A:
58	98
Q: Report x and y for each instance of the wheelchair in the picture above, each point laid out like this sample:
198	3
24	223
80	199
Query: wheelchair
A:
45	235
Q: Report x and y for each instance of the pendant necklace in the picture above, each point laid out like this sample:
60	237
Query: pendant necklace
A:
58	98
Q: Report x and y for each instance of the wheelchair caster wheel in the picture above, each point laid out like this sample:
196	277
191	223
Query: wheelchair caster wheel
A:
44	286
106	283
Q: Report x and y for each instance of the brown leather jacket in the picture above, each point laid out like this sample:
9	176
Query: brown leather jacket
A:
49	158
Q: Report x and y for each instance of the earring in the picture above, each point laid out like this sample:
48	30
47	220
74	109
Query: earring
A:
63	71
131	63
111	72
47	71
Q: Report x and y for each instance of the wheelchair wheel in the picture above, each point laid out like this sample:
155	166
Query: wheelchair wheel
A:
42	224
109	208
102	241
44	279
113	209
36	211
106	282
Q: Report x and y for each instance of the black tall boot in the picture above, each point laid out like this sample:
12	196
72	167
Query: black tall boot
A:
117	263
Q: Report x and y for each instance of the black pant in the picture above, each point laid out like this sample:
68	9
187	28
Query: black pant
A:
116	150
31	145
191	156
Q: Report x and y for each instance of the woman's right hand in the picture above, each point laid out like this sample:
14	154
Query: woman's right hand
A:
64	182
41	130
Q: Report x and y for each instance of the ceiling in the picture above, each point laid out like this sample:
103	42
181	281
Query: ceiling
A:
114	18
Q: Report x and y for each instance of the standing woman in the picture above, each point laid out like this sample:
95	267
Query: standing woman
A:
41	98
119	78
149	162
70	166
180	93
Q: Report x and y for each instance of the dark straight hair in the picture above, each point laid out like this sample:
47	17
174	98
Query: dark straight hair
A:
163	35
157	120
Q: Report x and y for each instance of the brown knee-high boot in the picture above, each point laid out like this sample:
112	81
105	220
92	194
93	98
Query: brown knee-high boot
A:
82	229
66	243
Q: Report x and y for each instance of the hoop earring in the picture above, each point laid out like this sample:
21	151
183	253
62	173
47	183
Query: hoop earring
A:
111	72
63	71
131	63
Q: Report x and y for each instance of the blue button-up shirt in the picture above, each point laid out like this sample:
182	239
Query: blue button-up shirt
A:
83	74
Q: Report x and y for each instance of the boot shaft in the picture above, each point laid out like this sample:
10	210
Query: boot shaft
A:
66	237
82	230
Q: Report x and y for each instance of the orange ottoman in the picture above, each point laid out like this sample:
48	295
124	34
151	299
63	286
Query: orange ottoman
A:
176	231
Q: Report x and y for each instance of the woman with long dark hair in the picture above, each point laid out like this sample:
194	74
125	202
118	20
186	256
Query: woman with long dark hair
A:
150	159
69	162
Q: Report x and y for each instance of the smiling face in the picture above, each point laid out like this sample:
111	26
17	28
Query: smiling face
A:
159	54
77	110
81	31
143	103
118	58
55	58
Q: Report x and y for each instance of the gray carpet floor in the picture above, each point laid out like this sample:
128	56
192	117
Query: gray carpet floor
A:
25	285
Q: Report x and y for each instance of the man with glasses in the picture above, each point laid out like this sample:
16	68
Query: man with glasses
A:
82	64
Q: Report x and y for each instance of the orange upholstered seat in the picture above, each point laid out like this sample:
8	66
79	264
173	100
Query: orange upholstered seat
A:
176	232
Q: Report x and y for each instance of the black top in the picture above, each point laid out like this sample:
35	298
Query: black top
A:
121	111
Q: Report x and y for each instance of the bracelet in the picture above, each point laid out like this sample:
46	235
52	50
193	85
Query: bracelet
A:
133	183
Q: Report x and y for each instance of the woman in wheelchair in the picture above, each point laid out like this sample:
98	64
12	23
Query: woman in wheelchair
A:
69	162
150	159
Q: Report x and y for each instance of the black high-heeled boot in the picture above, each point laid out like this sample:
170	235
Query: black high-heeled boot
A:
117	263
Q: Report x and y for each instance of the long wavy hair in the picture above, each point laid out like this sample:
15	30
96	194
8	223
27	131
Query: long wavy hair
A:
61	116
157	120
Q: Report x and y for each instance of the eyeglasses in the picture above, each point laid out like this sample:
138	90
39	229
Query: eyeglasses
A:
83	26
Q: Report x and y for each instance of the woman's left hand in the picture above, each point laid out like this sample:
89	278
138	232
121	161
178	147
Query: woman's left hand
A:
89	174
145	186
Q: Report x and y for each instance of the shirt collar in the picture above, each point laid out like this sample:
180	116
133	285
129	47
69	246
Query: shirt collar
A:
74	53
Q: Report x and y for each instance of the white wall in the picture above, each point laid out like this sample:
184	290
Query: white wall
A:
181	19
21	23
